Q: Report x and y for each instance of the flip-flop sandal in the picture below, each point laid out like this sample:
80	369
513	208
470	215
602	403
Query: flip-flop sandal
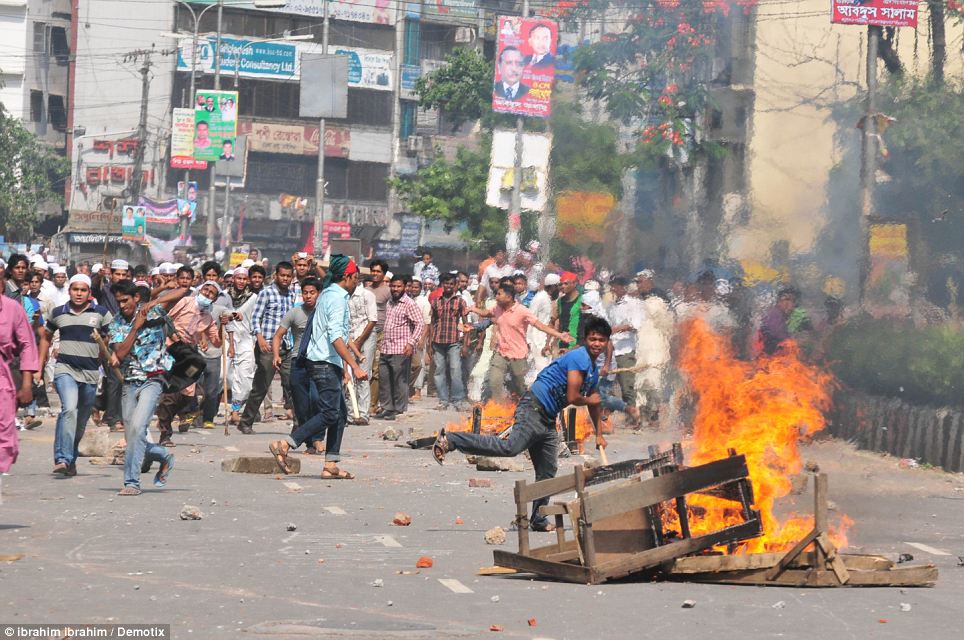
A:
160	478
545	528
311	451
280	458
60	467
129	491
441	447
167	443
336	474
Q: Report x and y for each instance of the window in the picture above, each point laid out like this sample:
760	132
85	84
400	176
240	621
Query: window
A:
369	107
56	112
40	37
336	178
366	181
278	173
257	98
36	106
58	45
409	111
437	41
361	35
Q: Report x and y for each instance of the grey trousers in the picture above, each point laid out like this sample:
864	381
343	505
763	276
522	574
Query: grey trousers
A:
263	375
394	373
627	380
516	369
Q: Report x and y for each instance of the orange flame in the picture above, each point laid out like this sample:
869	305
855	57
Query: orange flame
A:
763	410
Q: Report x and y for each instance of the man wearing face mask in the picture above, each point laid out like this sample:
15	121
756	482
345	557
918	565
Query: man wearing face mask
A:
196	326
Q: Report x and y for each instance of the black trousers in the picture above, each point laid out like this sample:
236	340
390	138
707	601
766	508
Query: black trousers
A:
263	375
394	373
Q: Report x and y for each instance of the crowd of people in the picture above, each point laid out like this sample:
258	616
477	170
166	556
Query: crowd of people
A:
122	344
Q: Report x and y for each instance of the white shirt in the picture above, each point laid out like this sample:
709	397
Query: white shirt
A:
628	311
362	309
426	308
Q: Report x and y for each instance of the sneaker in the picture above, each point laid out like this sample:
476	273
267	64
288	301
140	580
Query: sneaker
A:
385	415
209	424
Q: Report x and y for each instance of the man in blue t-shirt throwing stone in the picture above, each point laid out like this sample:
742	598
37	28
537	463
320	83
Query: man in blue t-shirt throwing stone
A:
571	379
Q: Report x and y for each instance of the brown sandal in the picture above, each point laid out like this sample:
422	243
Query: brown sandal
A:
334	473
129	490
441	447
279	449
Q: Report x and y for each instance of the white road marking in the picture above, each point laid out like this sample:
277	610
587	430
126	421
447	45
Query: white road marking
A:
231	448
927	549
388	541
454	585
337	511
293	486
290	538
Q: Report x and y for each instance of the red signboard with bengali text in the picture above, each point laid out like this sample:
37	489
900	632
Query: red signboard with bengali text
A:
525	66
882	13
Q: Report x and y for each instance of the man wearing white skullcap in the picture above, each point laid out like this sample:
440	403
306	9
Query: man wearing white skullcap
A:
96	268
58	293
77	370
541	306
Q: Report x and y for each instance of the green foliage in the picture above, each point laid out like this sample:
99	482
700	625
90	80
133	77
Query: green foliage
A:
462	87
585	156
924	366
29	171
454	193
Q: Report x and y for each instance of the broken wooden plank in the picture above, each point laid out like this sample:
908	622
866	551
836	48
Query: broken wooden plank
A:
744	562
917	576
496	571
832	557
615	500
547	488
559	570
791	555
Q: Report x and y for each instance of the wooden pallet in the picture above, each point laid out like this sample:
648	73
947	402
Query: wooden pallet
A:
617	525
822	566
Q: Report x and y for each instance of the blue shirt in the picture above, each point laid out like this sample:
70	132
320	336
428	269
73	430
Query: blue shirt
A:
148	357
552	382
269	310
330	321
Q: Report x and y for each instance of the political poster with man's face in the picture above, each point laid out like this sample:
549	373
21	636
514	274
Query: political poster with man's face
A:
525	66
215	122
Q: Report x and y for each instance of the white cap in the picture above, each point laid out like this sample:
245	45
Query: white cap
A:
155	271
301	255
219	255
80	277
166	269
59	269
229	272
39	264
247	263
178	265
592	285
96	268
142	283
52	259
119	264
389	275
646	273
209	283
240	271
551	279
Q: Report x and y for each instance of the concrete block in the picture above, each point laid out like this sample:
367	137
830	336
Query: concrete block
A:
95	443
258	464
499	464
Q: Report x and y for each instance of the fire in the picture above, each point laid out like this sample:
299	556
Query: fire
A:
497	416
763	410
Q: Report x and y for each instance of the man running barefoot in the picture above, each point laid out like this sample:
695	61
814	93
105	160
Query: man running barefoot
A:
571	379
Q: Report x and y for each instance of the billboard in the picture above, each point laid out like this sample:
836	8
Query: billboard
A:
368	69
525	67
244	58
215	123
535	170
133	223
883	13
182	141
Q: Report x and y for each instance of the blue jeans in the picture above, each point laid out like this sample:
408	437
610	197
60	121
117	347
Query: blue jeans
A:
332	415
532	429
76	403
448	360
138	402
610	401
304	398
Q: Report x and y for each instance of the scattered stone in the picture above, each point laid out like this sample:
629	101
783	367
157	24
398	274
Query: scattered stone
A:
831	505
811	466
402	519
95	443
495	535
424	563
389	603
483	463
471	459
495	627
378	583
480	483
258	464
391	434
190	512
905	606
779	605
458	520
689	604
137	587
532	622
494	598
291	526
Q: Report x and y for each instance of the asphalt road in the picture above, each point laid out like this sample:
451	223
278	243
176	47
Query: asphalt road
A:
346	571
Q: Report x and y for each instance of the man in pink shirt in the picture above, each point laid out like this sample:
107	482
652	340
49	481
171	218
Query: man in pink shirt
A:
17	343
511	351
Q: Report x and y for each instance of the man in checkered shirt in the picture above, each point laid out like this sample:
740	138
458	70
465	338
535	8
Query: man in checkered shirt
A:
273	303
403	329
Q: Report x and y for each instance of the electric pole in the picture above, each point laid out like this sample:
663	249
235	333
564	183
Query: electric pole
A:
515	207
868	153
319	224
210	229
137	177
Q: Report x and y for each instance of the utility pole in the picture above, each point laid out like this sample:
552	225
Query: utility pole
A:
137	178
319	225
209	233
868	153
515	207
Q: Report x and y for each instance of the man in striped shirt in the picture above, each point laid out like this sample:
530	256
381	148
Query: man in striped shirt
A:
77	370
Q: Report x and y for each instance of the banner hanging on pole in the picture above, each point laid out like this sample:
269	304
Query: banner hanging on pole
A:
215	123
525	66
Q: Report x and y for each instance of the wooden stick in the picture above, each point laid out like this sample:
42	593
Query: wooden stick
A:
353	397
224	376
105	355
602	456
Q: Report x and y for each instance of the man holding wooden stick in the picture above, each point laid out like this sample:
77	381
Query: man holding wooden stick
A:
79	323
324	346
570	379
